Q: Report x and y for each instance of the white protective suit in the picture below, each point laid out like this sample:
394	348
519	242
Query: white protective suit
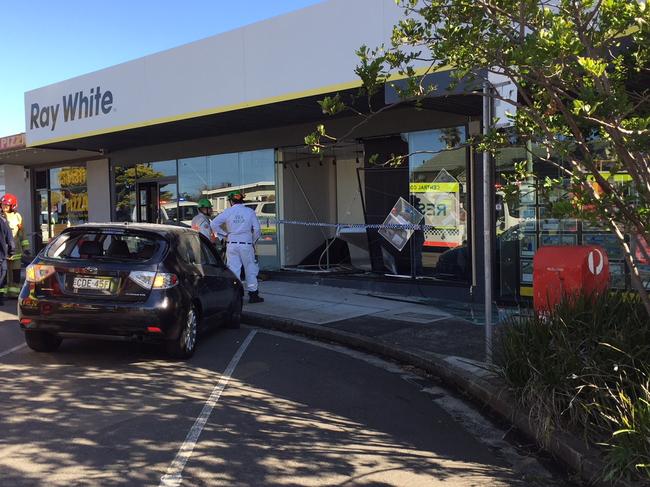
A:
242	228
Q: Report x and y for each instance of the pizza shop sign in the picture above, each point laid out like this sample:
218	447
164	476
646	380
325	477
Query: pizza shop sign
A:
12	142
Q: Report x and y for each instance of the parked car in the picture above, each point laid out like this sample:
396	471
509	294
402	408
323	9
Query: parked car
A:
142	282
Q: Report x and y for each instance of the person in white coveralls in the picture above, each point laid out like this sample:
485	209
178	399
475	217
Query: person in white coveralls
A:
201	222
242	229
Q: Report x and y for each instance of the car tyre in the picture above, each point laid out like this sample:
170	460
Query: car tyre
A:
233	319
42	341
183	347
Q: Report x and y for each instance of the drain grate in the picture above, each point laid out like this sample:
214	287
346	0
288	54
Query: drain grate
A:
418	317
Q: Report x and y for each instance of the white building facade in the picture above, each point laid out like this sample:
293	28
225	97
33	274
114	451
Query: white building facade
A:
144	140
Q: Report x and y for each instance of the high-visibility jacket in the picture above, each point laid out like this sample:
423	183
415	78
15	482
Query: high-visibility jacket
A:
15	221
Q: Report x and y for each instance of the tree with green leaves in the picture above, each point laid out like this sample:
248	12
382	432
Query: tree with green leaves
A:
583	92
125	184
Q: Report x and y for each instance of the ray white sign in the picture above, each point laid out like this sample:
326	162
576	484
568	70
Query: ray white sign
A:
278	59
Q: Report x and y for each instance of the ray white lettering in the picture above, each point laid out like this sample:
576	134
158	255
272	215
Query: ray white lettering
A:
79	105
76	106
43	117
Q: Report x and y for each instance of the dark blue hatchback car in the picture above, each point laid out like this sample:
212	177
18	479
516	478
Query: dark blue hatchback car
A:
143	282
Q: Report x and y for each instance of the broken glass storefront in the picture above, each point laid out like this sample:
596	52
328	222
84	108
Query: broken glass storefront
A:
337	204
326	212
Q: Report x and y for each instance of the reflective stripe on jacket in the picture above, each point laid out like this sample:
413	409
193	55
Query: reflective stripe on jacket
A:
15	221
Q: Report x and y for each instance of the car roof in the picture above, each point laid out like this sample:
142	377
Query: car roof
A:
157	228
180	203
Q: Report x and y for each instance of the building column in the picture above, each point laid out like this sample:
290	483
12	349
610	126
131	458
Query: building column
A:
17	182
99	191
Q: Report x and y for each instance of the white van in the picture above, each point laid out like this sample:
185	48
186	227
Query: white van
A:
183	212
263	209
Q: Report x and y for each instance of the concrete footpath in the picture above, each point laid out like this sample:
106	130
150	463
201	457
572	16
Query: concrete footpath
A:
413	333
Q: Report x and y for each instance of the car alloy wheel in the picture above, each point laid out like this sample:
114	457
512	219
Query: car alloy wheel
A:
188	337
183	347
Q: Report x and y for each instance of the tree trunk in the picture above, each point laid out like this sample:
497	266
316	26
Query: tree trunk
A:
635	278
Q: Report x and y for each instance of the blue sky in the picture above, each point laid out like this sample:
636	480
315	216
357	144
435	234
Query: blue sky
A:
46	41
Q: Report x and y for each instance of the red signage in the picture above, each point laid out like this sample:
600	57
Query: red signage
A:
12	142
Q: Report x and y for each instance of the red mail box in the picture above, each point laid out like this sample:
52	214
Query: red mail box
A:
565	271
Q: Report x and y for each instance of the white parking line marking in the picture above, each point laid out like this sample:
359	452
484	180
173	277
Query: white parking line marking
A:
17	347
174	475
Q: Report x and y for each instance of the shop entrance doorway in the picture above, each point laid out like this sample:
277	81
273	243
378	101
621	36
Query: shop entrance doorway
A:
156	201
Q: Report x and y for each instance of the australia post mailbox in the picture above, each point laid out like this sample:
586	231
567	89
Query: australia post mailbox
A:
566	271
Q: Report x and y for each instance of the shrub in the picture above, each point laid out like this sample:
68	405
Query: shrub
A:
586	367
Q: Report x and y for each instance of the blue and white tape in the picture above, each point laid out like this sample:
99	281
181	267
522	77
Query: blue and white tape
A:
372	226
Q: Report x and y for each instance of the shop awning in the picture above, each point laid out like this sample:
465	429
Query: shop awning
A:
13	151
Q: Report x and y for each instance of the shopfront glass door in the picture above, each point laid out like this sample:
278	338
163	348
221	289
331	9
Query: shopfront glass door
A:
156	202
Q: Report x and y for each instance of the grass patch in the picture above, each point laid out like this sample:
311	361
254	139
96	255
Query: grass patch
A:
586	368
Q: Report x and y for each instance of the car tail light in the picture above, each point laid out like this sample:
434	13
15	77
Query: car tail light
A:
164	280
154	329
154	280
38	272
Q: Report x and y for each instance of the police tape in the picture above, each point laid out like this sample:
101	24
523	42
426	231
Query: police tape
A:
371	226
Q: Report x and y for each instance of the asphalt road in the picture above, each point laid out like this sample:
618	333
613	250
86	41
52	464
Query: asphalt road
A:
252	407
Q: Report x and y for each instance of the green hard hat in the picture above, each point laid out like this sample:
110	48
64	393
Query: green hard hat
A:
204	203
235	196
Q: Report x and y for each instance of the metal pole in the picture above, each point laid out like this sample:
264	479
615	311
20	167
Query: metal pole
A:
487	225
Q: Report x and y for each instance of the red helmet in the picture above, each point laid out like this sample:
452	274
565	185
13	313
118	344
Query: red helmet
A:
10	200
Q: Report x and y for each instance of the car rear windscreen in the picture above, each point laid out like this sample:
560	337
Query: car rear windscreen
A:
132	247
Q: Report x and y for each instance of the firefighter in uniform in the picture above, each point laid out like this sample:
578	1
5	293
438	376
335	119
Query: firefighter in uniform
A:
242	229
201	222
10	210
6	250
